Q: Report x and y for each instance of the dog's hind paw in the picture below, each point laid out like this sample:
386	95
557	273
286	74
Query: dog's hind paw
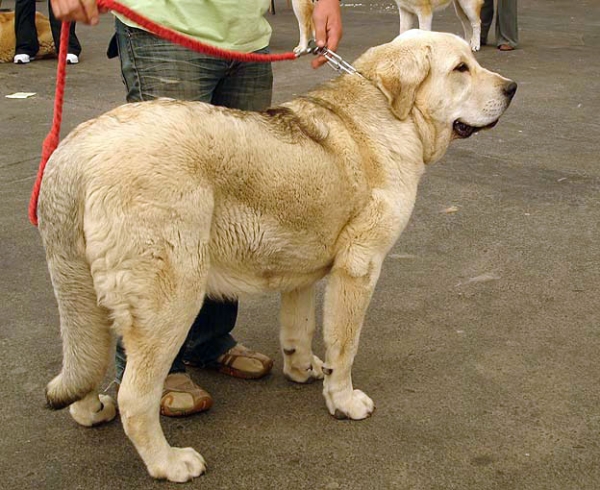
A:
179	465
306	374
93	411
354	405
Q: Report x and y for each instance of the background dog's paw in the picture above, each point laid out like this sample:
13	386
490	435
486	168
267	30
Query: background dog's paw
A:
90	415
300	48
179	465
354	405
475	46
305	374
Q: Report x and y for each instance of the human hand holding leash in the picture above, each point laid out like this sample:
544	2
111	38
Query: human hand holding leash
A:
86	11
327	19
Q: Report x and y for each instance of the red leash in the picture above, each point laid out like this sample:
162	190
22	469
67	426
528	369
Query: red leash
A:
51	141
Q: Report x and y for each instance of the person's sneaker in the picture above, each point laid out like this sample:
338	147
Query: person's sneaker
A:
22	59
72	59
241	362
182	397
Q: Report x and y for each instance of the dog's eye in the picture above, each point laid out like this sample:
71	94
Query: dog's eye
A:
462	67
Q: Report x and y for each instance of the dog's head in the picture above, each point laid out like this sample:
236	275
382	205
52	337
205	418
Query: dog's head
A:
437	75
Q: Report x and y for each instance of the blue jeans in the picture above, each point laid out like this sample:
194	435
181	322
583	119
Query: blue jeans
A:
152	67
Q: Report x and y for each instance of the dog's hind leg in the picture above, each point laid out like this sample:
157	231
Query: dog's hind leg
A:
161	319
470	17
347	297
87	342
297	330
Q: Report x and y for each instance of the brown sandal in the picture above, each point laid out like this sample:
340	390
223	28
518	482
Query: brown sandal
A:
241	362
182	397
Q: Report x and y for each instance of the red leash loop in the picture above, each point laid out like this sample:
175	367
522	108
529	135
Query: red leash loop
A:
51	141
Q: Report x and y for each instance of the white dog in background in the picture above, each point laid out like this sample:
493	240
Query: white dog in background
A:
187	201
468	12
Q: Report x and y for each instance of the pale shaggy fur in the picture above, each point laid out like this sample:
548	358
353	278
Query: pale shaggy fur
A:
149	207
8	40
468	11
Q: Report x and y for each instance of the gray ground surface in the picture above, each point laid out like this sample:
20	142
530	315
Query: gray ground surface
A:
480	347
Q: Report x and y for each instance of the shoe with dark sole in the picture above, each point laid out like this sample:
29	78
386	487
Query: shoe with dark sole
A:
22	59
240	362
182	397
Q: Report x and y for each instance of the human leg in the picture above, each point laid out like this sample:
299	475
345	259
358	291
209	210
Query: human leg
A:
247	86
25	31
487	16
55	26
153	68
507	31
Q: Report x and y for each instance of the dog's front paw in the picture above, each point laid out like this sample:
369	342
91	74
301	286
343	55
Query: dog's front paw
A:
304	374
301	48
178	465
352	404
475	45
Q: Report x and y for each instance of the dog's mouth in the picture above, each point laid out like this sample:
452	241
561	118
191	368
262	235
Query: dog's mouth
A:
463	130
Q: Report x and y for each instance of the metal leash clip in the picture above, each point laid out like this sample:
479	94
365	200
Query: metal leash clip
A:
334	60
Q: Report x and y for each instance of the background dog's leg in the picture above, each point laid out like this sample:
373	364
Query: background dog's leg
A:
469	16
303	10
407	19
347	297
425	16
297	330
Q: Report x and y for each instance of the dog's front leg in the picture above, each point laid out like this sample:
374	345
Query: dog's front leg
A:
303	10
297	330
347	297
470	17
407	19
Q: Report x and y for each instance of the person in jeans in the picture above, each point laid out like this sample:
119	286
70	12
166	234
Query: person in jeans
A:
507	31
152	67
27	44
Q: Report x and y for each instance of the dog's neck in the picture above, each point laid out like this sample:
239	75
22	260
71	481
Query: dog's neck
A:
362	99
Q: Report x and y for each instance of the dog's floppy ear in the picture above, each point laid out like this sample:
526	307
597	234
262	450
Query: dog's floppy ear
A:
400	75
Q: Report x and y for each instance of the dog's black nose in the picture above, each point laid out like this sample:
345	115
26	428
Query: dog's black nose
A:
509	89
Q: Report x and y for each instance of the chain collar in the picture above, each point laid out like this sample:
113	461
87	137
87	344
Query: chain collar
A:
334	60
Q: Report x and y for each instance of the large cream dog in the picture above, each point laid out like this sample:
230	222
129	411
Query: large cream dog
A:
150	207
468	12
